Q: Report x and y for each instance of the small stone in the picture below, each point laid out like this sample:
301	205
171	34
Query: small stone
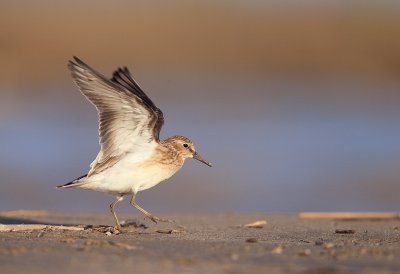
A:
251	240
108	233
305	252
319	242
277	250
329	245
234	257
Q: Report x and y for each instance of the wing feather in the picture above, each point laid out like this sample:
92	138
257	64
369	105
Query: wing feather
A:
129	121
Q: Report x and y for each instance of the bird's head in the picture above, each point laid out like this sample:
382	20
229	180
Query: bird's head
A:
185	148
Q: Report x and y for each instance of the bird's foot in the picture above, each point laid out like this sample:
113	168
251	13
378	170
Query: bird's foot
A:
117	229
155	219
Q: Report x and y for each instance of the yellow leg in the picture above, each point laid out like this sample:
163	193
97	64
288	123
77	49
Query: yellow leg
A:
112	207
146	213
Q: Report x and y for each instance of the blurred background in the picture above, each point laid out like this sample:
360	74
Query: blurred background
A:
296	103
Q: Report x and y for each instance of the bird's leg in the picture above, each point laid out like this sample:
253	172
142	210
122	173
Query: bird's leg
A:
112	207
146	213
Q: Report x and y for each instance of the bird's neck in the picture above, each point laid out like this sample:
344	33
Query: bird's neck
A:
169	153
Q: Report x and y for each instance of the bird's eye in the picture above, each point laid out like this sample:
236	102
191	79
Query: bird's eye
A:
185	145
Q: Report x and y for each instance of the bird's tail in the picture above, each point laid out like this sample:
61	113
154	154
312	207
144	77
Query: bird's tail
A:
74	183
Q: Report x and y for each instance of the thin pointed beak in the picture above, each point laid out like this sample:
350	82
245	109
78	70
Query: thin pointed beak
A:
198	157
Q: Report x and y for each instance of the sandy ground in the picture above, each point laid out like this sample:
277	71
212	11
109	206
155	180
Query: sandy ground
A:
216	243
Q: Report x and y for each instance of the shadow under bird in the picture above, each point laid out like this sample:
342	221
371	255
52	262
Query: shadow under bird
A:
132	157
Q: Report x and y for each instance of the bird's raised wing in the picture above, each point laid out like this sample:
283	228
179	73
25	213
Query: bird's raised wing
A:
129	120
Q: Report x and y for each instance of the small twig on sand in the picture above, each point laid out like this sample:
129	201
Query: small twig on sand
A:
345	231
32	227
23	213
257	224
349	215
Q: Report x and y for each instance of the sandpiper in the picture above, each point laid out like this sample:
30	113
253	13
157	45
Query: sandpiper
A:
132	157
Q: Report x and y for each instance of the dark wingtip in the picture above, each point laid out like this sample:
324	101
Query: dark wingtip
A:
72	182
79	62
65	185
115	76
77	59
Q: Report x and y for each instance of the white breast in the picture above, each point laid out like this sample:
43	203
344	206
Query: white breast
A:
148	177
129	176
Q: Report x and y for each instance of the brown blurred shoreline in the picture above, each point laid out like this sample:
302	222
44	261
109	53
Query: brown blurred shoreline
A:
317	40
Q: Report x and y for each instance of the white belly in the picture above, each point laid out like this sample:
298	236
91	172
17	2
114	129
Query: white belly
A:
127	177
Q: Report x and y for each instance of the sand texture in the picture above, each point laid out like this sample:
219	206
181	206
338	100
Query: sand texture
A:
218	243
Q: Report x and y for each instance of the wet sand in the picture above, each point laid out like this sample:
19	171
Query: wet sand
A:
218	243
